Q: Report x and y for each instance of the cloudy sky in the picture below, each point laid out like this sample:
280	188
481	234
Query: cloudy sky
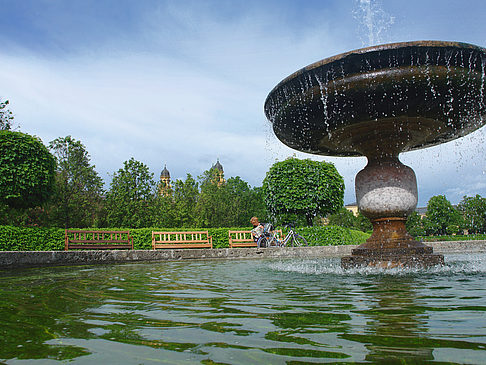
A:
183	83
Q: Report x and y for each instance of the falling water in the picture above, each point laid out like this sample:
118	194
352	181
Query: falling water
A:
373	20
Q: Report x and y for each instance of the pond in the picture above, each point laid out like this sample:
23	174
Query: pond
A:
244	312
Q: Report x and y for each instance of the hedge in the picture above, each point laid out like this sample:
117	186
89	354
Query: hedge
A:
31	239
52	239
331	235
469	237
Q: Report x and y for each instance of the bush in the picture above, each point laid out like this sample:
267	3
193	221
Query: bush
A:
331	235
31	239
52	239
26	170
469	237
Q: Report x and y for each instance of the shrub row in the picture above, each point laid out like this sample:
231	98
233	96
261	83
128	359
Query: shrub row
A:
31	239
52	239
331	235
469	237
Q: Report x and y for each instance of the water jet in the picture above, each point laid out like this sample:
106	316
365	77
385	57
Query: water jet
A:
378	102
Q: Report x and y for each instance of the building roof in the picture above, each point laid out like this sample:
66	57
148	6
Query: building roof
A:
165	173
218	166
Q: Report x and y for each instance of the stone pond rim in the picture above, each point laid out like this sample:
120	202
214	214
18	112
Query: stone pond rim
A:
393	97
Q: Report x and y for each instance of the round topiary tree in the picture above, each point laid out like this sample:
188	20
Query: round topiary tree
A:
26	170
303	187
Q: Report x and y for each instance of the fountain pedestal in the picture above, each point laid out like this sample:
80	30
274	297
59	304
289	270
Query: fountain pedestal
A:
386	191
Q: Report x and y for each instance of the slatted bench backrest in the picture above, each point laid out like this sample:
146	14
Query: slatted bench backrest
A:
194	239
80	239
241	239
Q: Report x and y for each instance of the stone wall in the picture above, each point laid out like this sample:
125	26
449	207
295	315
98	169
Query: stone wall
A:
13	259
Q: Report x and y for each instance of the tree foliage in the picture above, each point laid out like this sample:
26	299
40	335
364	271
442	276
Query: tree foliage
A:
78	195
473	210
415	225
6	116
186	194
303	187
212	201
26	170
441	217
345	218
131	196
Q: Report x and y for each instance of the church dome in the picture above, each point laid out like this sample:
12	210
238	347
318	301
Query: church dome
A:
165	173
218	166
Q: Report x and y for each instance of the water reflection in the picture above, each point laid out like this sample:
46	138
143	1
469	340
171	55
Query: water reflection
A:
241	312
396	324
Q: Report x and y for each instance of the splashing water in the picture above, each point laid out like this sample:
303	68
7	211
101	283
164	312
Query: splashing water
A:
373	20
468	264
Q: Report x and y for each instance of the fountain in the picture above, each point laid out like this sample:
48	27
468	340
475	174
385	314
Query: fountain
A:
378	102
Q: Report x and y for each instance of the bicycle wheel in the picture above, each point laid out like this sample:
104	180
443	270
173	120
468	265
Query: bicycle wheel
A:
298	240
262	242
272	241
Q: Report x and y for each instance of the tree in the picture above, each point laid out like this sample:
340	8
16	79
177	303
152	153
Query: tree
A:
186	194
77	201
303	187
473	210
441	217
26	170
212	205
163	211
6	116
344	218
244	202
131	196
414	224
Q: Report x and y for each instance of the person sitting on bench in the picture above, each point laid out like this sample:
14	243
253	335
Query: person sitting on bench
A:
257	230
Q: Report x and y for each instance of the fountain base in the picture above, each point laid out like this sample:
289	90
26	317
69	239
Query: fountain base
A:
387	260
390	246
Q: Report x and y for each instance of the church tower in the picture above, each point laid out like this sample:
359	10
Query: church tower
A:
219	173
164	186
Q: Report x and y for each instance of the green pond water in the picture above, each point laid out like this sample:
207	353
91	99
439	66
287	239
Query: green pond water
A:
244	312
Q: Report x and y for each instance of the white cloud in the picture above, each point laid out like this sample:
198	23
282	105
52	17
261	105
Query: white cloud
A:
189	88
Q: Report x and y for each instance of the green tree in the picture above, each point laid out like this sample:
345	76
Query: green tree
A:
213	203
131	196
257	207
473	210
344	218
186	194
244	202
303	187
228	204
26	170
163	211
415	225
363	223
441	217
6	116
77	201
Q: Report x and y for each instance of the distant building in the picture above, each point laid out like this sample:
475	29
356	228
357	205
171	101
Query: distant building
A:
219	173
353	208
164	185
421	211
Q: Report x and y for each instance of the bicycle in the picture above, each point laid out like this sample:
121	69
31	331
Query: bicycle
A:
270	238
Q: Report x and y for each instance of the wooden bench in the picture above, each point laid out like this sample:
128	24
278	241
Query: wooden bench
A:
97	240
241	239
199	239
244	238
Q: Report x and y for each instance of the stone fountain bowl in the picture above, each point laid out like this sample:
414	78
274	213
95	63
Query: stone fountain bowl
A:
382	100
